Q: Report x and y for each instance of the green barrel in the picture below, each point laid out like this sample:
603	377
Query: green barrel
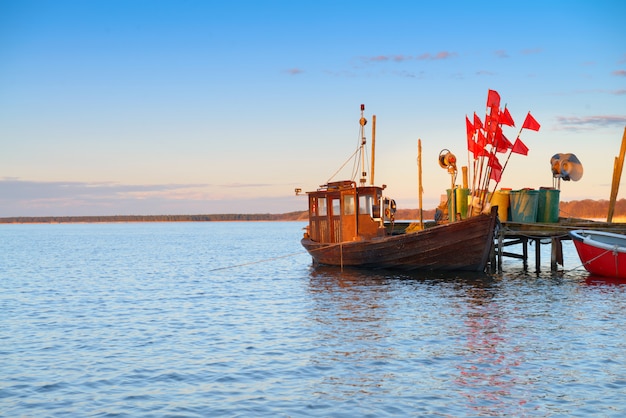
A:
548	205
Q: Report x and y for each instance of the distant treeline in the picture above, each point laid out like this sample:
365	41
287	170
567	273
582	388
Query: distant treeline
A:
591	209
292	216
588	209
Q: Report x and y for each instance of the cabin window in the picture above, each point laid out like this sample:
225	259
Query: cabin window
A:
365	204
348	204
321	206
336	206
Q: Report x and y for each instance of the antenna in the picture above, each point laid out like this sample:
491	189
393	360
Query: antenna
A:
363	122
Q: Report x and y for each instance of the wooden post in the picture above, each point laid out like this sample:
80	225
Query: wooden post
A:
465	179
420	191
500	251
617	175
556	255
525	253
537	255
373	147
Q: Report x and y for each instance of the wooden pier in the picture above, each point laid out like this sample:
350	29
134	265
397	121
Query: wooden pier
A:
515	233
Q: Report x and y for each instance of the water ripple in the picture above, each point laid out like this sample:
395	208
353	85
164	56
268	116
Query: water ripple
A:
137	320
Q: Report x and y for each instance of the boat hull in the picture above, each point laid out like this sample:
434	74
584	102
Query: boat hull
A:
464	246
602	253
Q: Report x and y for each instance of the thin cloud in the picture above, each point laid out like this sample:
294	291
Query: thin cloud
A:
442	55
619	73
240	185
590	122
427	56
501	53
379	58
294	71
11	188
531	51
39	198
400	58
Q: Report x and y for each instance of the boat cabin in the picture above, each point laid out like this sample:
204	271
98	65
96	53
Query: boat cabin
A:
340	211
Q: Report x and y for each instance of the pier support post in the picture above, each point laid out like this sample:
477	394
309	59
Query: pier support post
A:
537	255
556	255
500	245
525	253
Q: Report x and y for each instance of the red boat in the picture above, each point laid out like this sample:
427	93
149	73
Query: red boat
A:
602	253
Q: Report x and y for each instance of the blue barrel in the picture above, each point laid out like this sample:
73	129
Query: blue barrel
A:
523	204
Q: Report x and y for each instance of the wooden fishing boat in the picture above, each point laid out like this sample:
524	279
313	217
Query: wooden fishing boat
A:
353	224
602	253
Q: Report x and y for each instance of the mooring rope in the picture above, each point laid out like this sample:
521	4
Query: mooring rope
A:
257	262
330	245
590	261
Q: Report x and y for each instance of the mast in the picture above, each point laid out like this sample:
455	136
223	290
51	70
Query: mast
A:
363	122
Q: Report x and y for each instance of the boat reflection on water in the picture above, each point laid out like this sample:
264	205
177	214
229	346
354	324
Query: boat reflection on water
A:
489	360
351	318
595	280
346	275
378	328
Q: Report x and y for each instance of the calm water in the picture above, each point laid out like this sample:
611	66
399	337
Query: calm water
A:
230	319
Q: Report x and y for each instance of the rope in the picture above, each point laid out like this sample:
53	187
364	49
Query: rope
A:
590	261
344	164
279	257
257	262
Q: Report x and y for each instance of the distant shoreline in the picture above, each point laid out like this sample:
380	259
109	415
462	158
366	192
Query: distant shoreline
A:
584	209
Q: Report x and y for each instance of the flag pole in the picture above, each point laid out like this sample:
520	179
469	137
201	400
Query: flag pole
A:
485	181
506	162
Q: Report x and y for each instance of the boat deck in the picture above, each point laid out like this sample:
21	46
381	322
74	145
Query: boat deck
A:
514	233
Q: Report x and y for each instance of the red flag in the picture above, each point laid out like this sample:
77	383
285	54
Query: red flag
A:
483	152
493	99
506	119
491	124
519	147
478	150
478	124
496	168
470	130
493	162
501	142
482	141
531	123
495	174
472	147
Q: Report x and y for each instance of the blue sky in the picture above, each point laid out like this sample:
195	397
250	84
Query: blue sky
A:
187	107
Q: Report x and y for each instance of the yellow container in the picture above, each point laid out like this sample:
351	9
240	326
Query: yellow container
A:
500	198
